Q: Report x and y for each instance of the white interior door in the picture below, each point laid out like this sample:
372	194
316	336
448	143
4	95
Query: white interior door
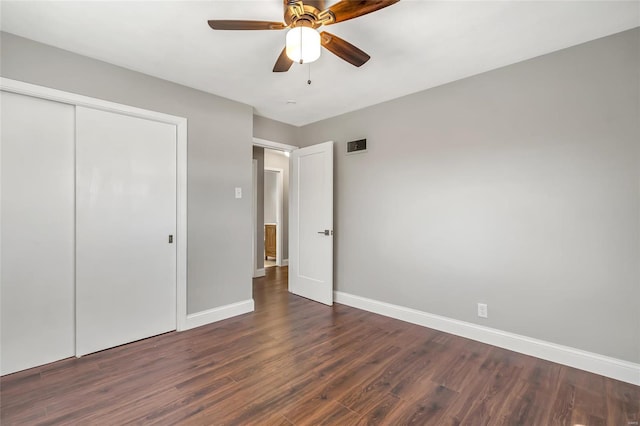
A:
37	232
125	213
311	223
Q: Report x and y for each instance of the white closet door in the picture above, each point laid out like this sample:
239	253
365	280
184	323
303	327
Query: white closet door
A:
37	278
125	212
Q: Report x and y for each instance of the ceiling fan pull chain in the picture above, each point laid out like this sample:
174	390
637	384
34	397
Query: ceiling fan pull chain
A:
301	47
309	80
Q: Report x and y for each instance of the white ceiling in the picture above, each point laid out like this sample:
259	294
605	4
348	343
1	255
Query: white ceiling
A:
414	45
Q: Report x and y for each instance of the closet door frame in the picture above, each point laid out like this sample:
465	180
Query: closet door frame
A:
22	88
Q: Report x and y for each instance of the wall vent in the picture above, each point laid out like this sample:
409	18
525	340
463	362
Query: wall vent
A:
358	146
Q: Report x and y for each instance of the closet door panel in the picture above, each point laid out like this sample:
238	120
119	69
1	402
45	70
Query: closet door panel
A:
37	232
125	213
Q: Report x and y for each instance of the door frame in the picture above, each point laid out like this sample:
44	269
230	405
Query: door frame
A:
279	210
33	90
254	218
263	143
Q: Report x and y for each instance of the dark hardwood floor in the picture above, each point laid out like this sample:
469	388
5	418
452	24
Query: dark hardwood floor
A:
293	361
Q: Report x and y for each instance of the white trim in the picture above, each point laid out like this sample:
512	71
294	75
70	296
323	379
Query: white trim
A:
285	262
254	217
181	224
42	92
595	363
218	314
260	273
279	211
274	145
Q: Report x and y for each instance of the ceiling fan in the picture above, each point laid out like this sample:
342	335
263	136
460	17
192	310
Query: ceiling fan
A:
303	40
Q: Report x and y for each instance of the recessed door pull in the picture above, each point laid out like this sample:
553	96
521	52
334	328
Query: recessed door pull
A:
170	239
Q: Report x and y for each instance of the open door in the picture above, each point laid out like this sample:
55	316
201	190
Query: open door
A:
311	223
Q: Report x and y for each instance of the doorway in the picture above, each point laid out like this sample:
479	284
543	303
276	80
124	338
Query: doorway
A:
311	218
270	205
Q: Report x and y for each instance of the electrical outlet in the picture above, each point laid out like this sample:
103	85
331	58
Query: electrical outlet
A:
483	311
238	192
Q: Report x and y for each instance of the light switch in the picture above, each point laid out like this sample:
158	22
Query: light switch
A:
238	192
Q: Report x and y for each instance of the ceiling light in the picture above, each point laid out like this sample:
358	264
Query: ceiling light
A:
303	44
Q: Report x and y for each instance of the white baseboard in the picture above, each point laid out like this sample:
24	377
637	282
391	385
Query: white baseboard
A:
259	273
595	363
285	262
218	314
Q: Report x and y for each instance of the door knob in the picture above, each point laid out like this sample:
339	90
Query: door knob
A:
326	232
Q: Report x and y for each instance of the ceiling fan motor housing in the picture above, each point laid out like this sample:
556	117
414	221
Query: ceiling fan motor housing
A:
297	14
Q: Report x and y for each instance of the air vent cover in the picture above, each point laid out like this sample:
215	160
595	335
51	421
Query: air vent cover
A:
357	146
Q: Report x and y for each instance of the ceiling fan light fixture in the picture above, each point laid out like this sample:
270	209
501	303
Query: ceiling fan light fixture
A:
303	44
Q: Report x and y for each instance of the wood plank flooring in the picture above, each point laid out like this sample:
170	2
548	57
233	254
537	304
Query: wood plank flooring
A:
297	362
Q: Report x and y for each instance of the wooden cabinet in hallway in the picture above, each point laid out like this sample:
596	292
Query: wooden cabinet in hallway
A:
269	240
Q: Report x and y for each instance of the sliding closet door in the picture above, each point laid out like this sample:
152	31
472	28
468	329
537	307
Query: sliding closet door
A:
125	214
37	232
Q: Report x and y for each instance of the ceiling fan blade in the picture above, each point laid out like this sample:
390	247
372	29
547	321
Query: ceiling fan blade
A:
283	63
225	24
343	49
349	9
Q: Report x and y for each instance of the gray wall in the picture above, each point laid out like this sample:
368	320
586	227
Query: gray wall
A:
278	160
275	131
270	196
518	188
258	155
219	158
